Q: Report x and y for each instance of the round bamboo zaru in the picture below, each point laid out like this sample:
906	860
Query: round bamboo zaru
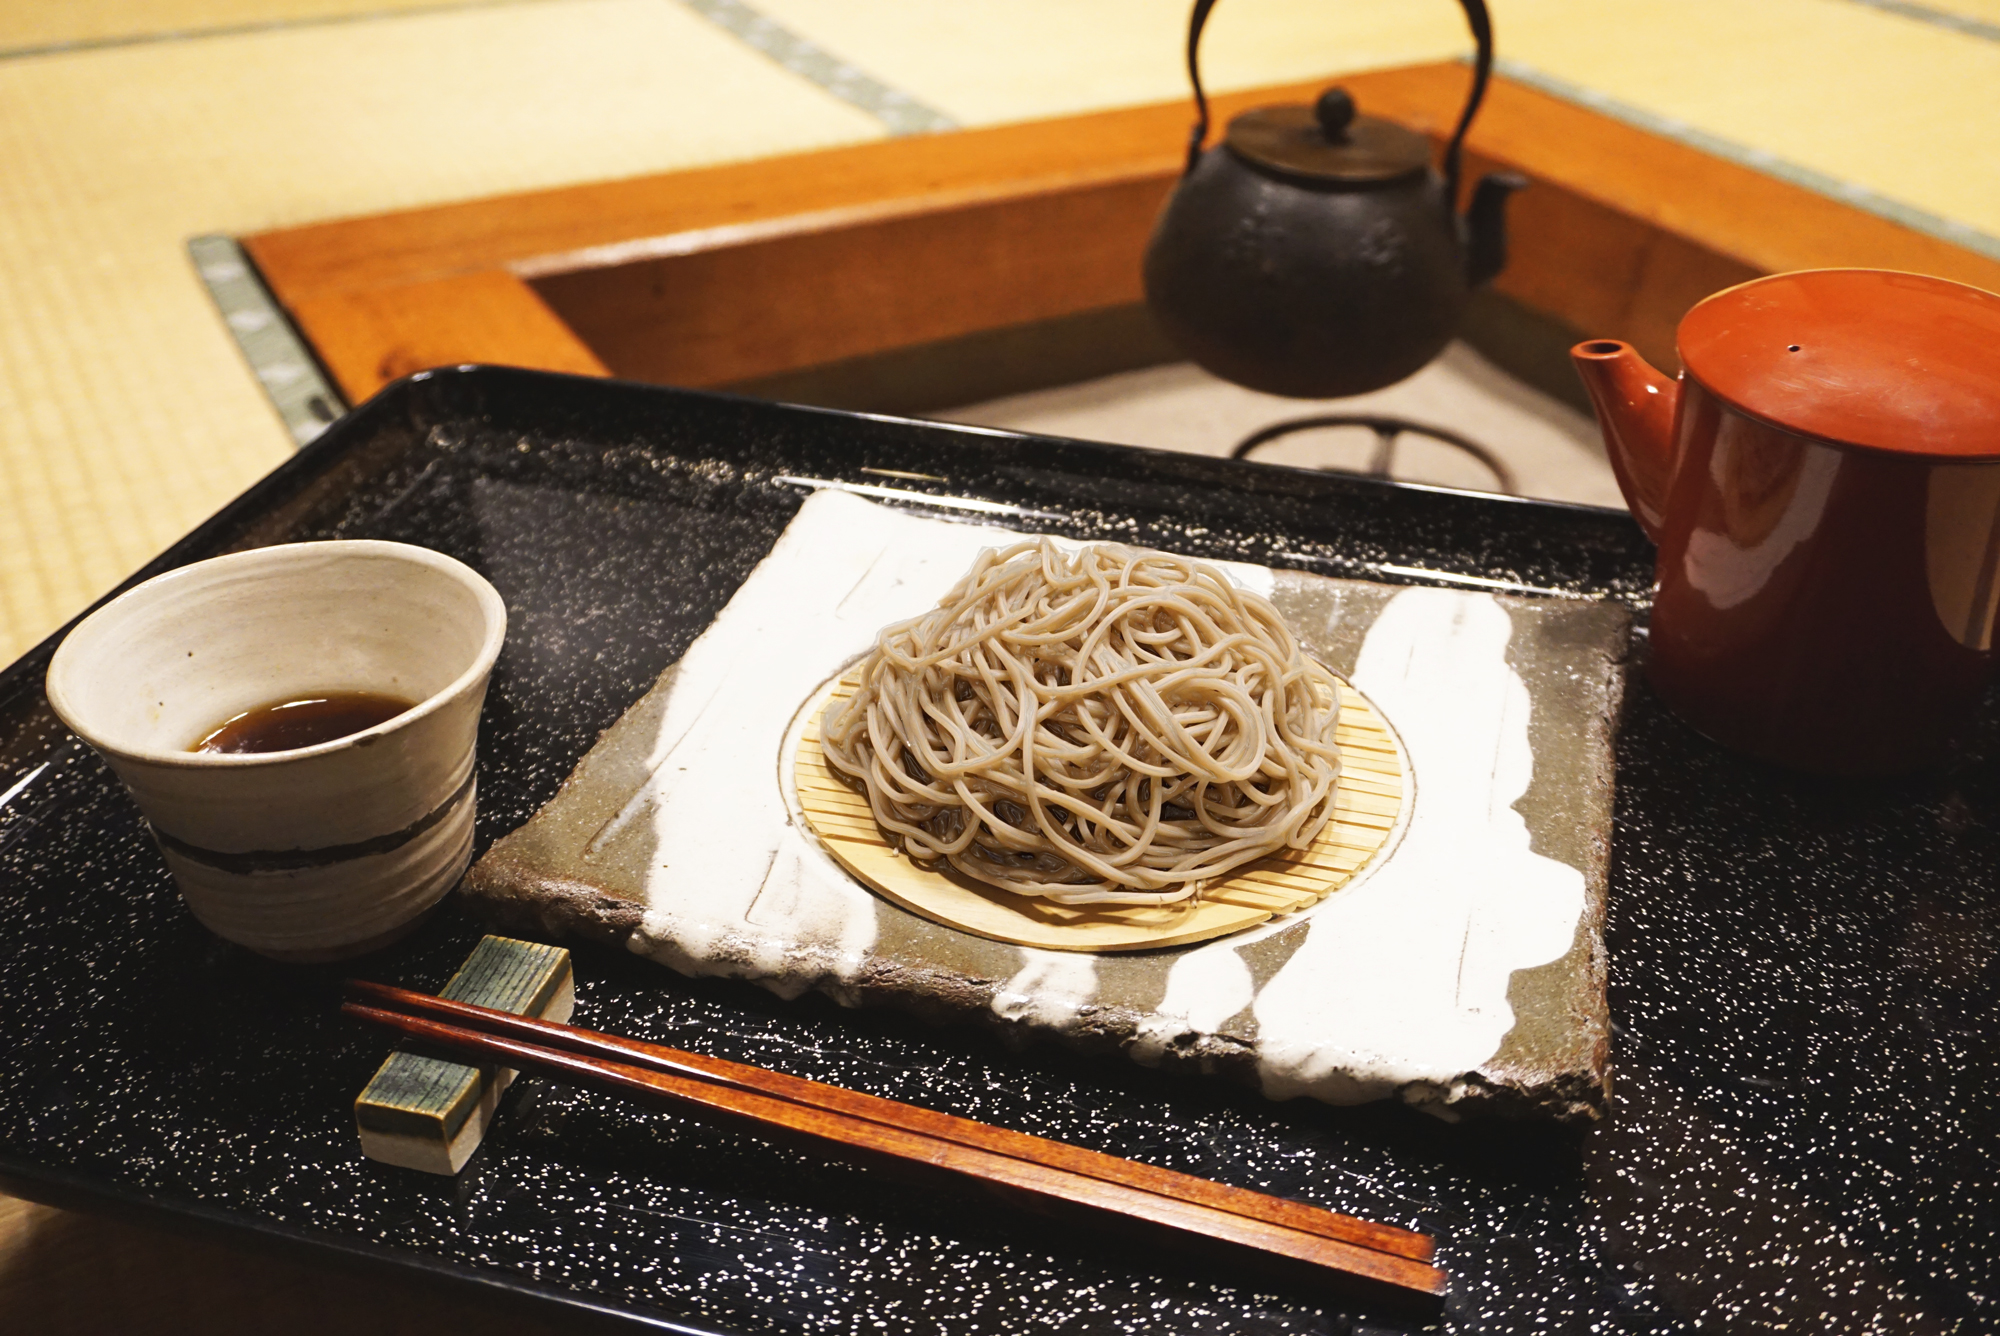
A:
1375	786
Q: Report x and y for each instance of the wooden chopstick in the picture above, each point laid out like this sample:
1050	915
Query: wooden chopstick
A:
1379	1274
911	1117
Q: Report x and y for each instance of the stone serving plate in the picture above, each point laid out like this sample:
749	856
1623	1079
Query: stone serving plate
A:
1802	1132
1463	971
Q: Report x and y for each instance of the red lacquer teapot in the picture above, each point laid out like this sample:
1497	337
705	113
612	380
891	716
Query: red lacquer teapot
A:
1823	482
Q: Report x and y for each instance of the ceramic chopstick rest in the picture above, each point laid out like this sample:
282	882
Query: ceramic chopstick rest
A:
420	1112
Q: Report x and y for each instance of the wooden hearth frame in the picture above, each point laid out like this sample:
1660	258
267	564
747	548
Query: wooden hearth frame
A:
734	275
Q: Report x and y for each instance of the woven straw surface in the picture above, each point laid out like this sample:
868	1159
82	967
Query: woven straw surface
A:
126	414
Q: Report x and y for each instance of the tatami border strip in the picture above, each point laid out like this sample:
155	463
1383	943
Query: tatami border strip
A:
282	362
901	113
1937	18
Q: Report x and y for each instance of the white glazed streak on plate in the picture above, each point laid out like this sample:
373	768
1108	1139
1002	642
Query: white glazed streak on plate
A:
1109	726
1402	981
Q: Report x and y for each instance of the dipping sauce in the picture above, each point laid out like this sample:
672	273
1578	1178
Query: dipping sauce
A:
302	721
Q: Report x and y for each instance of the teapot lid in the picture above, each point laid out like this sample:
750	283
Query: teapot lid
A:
1861	357
1327	142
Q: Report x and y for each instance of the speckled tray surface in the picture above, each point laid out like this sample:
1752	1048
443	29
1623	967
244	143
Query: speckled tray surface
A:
1803	976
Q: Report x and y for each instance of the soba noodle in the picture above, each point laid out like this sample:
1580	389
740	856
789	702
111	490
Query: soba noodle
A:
1114	726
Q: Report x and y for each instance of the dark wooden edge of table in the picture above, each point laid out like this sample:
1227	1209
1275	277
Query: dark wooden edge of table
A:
68	1190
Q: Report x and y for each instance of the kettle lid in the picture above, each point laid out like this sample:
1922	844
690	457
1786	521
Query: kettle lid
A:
1862	357
1328	143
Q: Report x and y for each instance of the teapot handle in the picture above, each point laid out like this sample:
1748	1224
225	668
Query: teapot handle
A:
1482	70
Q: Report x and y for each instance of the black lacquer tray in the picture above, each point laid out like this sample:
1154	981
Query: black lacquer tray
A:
1804	975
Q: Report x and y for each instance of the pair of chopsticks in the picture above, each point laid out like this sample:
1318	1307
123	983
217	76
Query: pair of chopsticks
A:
1374	1261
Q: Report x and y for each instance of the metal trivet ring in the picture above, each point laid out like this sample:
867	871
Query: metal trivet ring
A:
1386	430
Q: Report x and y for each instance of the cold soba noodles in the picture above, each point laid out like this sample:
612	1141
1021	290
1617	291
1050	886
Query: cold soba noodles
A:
1116	726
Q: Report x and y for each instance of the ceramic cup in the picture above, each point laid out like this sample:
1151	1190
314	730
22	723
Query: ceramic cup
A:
321	852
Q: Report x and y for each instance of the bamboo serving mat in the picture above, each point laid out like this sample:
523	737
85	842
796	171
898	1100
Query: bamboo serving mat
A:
1374	787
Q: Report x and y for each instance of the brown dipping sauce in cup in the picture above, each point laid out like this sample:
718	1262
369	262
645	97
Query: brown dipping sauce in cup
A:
304	721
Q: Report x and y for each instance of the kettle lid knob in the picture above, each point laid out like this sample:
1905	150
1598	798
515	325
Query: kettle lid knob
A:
1328	143
1335	112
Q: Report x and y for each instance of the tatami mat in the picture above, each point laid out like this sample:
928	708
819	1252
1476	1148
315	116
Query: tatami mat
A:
1887	102
37	24
986	61
1891	104
126	414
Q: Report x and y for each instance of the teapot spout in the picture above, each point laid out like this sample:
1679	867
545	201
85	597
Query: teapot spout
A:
1486	226
1635	411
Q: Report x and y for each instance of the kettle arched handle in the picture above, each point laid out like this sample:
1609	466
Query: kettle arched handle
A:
1482	70
1198	137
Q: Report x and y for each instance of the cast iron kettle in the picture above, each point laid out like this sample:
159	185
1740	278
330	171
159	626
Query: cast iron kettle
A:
1314	252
